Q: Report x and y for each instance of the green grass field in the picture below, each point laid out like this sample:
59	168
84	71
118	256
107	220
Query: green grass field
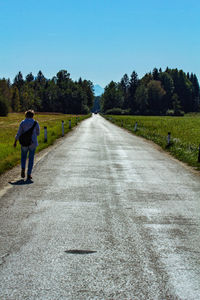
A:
185	133
10	156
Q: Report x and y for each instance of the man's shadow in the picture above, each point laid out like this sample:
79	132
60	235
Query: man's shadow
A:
21	182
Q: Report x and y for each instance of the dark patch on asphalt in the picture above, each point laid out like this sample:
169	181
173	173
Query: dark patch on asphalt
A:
3	259
79	251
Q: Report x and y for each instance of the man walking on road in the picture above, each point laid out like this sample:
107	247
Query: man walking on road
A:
28	124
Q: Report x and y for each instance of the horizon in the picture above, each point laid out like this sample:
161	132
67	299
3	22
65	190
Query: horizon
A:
98	41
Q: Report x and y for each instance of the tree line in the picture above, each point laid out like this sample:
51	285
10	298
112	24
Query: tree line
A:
169	92
59	94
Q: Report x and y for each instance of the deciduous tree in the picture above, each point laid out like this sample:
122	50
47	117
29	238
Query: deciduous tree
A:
112	96
155	96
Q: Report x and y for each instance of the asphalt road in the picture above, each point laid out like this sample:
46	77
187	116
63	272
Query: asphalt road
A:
108	216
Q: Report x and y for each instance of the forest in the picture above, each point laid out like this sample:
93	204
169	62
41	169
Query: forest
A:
59	94
169	92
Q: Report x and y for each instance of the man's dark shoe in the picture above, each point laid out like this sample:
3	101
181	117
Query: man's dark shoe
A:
29	177
23	173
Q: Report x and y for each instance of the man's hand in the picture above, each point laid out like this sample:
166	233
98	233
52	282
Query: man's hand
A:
15	143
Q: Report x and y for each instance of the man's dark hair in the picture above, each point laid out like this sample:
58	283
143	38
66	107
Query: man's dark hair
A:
29	113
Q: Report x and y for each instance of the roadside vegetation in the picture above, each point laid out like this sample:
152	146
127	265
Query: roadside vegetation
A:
185	133
169	92
10	156
58	94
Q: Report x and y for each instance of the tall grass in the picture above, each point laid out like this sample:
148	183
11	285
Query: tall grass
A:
185	133
10	156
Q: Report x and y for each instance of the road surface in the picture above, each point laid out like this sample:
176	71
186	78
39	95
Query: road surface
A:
108	216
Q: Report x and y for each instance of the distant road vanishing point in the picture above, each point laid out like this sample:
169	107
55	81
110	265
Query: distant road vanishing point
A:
108	216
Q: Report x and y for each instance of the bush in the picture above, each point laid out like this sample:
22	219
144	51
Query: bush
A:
85	110
177	113
3	108
117	111
170	112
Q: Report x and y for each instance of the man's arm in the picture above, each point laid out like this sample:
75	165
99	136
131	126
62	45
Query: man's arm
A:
37	129
15	143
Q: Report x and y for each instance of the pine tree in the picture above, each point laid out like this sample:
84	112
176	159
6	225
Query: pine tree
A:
29	77
195	92
15	100
124	86
5	91
168	85
4	108
155	74
40	78
19	81
134	82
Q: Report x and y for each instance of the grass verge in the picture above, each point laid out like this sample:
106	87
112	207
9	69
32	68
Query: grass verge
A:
185	133
10	156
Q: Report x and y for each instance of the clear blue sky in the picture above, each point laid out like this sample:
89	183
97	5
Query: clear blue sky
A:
99	40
